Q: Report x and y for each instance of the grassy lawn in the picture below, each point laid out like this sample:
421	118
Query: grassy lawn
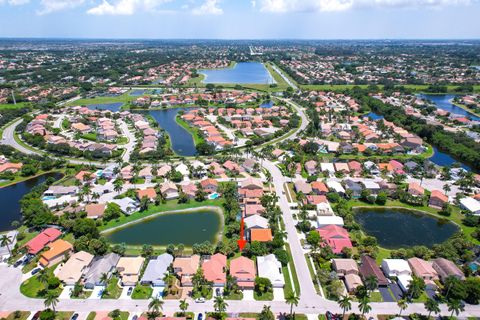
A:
91	315
293	195
33	288
294	271
267	296
197	138
22	316
168	206
113	290
281	83
123	315
125	98
64	315
90	136
122	140
382	254
376	296
19	105
142	292
312	273
234	296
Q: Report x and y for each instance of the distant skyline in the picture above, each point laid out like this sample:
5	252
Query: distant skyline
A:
241	19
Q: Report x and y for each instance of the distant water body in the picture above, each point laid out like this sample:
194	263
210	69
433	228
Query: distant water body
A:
241	73
444	102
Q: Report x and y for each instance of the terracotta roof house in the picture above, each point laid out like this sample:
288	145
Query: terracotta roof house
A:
39	242
336	237
437	199
249	165
10	167
95	210
185	268
344	266
261	235
355	167
369	267
252	184
422	269
319	188
214	269
415	189
129	269
74	268
56	252
209	185
243	269
169	190
269	267
446	268
84	176
149	193
189	189
342	167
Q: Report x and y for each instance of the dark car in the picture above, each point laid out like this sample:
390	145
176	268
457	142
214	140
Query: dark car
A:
17	263
331	316
74	317
218	292
135	317
200	316
36	316
35	271
130	290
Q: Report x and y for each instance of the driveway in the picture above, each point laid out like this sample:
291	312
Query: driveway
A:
67	291
97	292
278	294
124	294
386	296
248	295
397	292
158	292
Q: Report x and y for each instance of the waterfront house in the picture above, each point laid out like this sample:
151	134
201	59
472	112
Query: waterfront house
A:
169	190
148	193
214	269
129	269
209	185
73	269
100	265
56	252
395	267
39	242
369	268
423	269
415	189
127	205
185	268
446	268
156	270
437	199
95	210
336	237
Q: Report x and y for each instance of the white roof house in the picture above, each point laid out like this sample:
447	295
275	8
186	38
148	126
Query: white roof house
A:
335	186
396	267
328	220
327	166
470	204
183	169
403	281
127	205
269	267
61	201
324	209
370	185
156	269
256	222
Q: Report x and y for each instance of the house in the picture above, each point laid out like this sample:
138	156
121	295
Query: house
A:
10	167
352	282
252	184
371	186
74	268
100	265
415	189
214	269
169	190
341	167
336	187
56	252
95	210
129	269
256	222
311	167
344	267
437	199
354	188
249	165
269	267
422	269
355	168
148	193
396	267
190	189
471	205
185	268
59	191
302	186
336	237
243	270
261	235
369	268
327	167
84	176
39	242
209	185
109	172
127	205
319	188
156	270
446	268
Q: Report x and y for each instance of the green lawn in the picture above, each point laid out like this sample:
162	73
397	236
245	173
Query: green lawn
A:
22	316
64	315
90	136
91	315
125	98
234	296
294	271
267	296
113	290
142	292
376	296
123	315
19	105
197	137
33	288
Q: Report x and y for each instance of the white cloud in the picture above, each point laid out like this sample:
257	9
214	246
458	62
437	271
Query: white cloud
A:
49	6
209	7
14	2
125	7
342	5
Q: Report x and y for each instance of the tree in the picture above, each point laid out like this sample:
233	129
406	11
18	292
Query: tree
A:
262	285
431	305
313	239
183	306
402	304
43	276
104	278
292	299
51	300
147	250
416	287
114	314
5	241
266	314
371	283
220	305
455	306
345	303
112	211
155	305
364	305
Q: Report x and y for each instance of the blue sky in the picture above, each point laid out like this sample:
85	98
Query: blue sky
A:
241	19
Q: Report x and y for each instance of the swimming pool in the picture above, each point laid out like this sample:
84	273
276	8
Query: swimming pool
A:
49	198
214	196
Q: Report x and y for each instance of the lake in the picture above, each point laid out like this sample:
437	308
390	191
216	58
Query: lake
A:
182	140
113	106
442	101
241	73
10	199
187	228
400	228
374	116
445	160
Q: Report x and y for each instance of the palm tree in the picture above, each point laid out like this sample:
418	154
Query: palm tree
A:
364	305
5	241
117	185
455	306
51	300
155	305
431	305
104	278
345	303
183	305
220	305
371	283
402	304
43	276
292	299
446	188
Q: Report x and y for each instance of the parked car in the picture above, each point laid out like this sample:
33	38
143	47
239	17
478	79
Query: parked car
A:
135	317
74	317
200	316
35	271
129	292
36	316
218	292
330	316
200	300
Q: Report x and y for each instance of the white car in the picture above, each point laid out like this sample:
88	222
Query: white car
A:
200	300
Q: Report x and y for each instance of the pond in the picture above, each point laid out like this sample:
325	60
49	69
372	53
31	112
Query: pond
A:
10	199
399	228
241	73
113	106
445	160
442	101
187	228
374	116
182	140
